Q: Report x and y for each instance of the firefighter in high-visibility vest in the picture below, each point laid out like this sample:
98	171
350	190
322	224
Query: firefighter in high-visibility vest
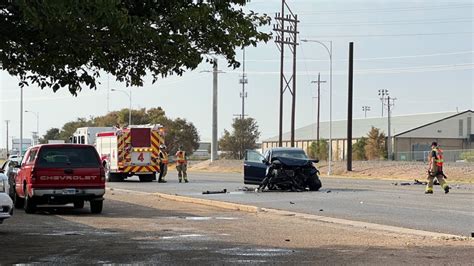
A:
163	164
181	164
435	169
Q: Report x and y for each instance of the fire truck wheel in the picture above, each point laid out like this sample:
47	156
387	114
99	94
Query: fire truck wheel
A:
146	178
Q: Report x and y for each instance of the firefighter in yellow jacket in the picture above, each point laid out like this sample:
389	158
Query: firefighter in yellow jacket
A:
181	164
435	169
163	164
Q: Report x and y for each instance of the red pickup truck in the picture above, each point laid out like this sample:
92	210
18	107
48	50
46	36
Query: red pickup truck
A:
60	174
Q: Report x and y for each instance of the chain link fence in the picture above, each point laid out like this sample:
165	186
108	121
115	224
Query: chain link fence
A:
449	155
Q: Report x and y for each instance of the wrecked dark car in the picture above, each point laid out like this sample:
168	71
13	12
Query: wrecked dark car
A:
287	169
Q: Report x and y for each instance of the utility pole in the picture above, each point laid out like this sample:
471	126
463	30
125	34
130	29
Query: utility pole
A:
382	94
215	73
287	83
349	106
390	103
319	81
365	109
243	81
7	121
21	121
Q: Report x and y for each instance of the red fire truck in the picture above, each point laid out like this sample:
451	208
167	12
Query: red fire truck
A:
131	151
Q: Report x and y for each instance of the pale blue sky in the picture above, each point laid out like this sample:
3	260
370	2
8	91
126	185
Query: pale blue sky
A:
421	51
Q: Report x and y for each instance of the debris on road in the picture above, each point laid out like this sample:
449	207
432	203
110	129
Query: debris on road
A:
215	192
321	210
246	189
329	191
417	182
292	202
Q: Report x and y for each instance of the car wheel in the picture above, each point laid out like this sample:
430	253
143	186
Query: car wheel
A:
79	204
18	201
96	206
30	205
314	183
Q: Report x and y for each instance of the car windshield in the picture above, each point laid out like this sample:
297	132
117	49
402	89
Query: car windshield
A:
296	154
79	157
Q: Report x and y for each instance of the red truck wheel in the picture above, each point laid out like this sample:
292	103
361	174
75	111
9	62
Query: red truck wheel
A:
30	205
96	206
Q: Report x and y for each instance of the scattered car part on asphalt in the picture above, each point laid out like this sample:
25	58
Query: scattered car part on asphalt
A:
215	192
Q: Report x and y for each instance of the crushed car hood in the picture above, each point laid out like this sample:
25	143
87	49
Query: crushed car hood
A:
293	162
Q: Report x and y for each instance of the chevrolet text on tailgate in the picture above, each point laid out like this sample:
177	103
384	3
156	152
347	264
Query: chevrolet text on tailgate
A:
60	174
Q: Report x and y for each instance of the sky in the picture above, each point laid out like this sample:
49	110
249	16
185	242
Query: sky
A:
420	51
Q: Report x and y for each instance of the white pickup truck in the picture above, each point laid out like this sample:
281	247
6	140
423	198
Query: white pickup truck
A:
6	204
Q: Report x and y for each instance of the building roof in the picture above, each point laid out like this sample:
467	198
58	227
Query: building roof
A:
362	126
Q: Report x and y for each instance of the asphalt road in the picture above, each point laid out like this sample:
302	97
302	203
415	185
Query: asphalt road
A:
375	201
134	229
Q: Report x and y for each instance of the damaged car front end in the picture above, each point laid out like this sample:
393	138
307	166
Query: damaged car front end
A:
281	168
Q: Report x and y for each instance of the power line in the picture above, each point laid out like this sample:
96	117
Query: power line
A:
400	22
390	35
399	9
370	58
416	69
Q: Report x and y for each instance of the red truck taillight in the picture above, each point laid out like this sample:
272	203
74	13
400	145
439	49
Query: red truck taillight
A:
33	174
102	174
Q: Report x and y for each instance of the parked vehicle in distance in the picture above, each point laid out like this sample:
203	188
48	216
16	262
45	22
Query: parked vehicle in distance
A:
281	168
14	157
6	204
9	168
60	174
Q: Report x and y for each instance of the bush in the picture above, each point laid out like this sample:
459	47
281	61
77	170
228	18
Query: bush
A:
319	150
358	149
468	156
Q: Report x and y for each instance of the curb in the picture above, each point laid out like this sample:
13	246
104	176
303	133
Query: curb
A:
312	217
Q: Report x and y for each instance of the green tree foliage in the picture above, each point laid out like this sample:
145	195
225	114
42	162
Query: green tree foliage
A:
52	133
358	149
375	148
178	131
244	136
70	127
60	44
319	149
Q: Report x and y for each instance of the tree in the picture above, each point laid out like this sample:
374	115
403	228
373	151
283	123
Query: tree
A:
375	148
60	44
358	149
319	149
52	133
244	136
70	127
179	132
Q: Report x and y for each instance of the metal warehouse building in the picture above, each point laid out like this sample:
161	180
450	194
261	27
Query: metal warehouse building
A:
411	134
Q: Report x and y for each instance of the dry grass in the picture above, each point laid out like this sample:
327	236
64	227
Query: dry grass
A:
456	172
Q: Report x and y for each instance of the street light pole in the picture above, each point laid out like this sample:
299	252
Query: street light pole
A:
37	124
329	50
7	121
130	108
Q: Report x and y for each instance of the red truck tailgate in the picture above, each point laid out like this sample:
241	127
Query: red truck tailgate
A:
63	167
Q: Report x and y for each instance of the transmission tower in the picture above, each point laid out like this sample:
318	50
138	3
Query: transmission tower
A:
286	36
